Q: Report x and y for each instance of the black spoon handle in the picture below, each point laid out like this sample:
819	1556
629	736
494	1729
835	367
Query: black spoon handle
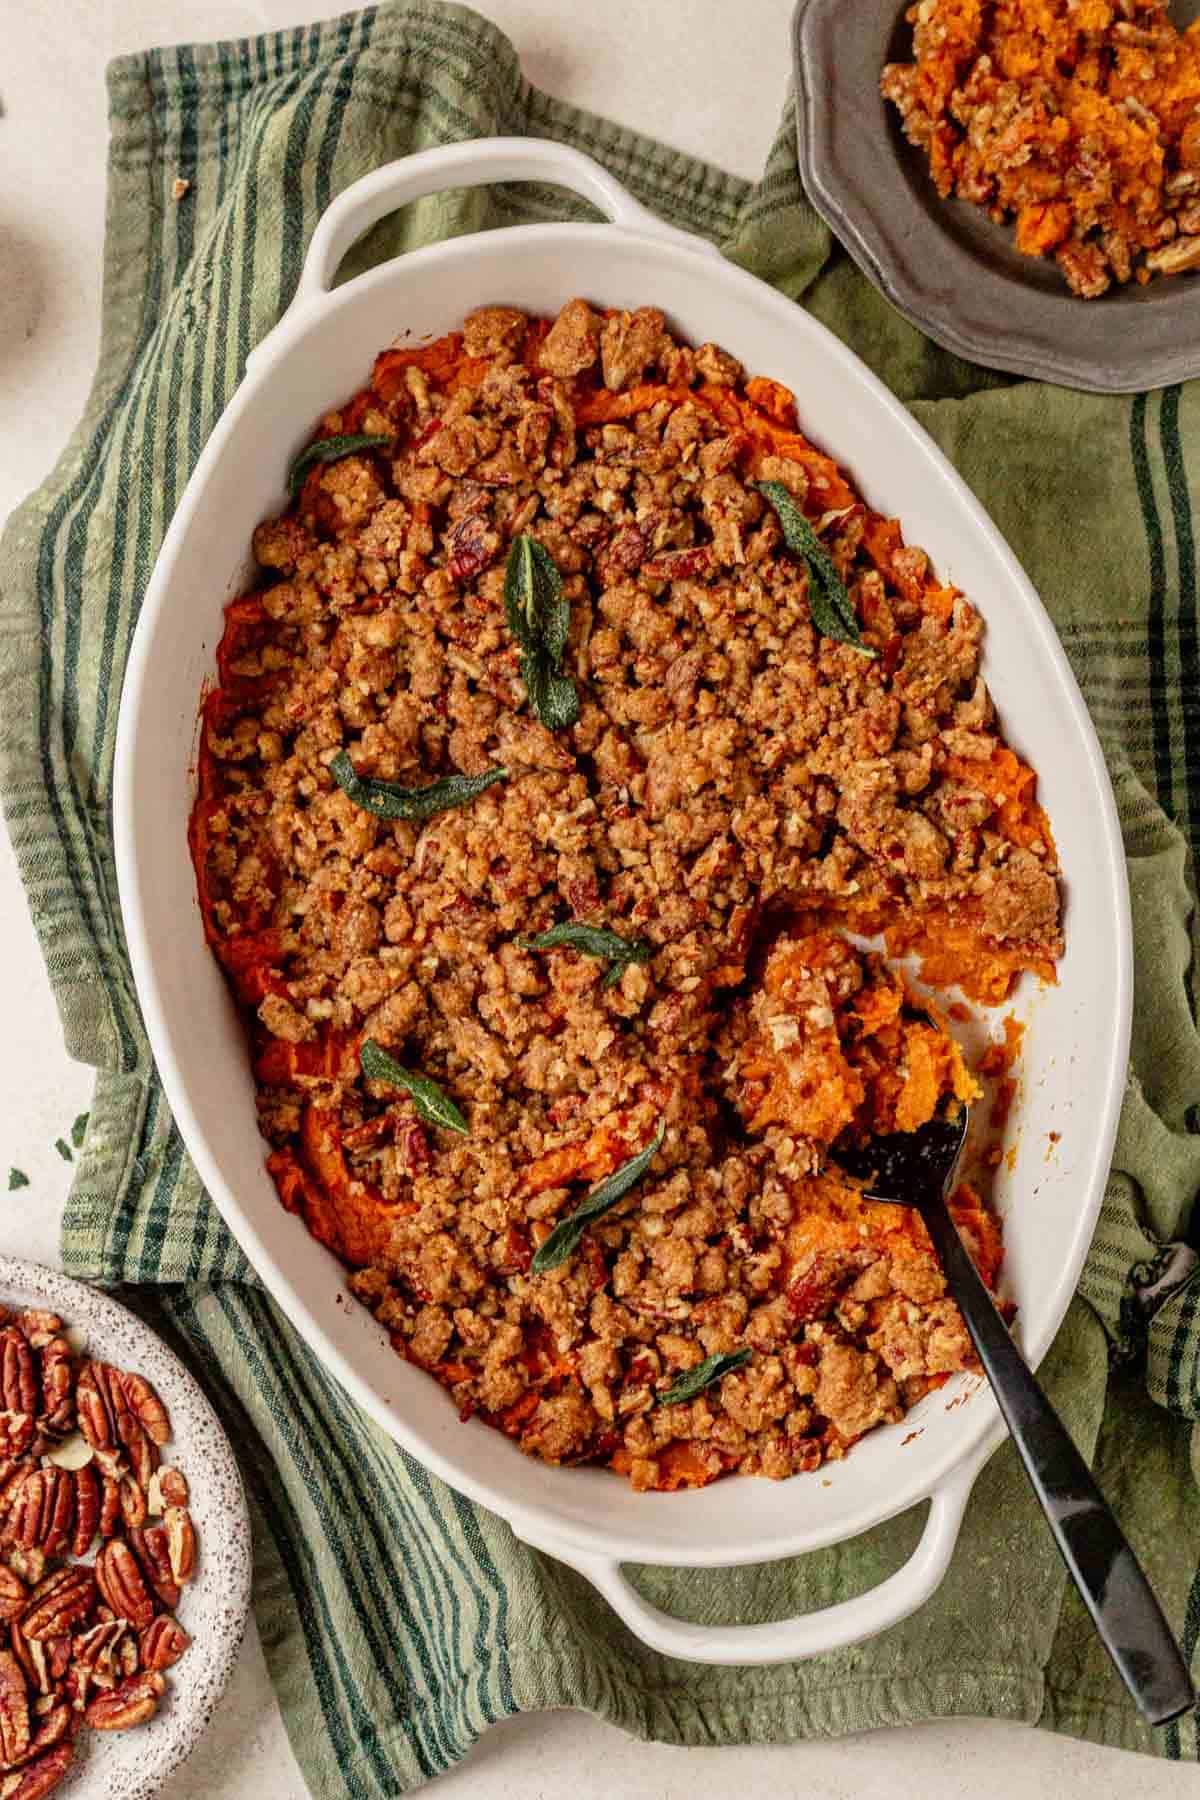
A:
1106	1572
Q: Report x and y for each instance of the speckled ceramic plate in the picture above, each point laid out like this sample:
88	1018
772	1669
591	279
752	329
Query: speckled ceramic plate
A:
133	1765
947	267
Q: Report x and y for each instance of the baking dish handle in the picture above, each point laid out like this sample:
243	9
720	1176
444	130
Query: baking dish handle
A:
784	1640
476	162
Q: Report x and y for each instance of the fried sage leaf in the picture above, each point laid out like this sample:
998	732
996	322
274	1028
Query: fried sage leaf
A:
565	1237
694	1382
593	940
829	603
331	449
539	617
388	801
435	1107
553	697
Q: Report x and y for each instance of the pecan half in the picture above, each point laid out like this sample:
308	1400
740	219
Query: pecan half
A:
131	1703
154	1554
94	1414
42	1514
146	1407
58	1389
23	1501
168	1487
143	1453
41	1777
87	1509
14	1711
110	1507
13	1594
19	1385
163	1642
181	1543
59	1603
121	1582
133	1503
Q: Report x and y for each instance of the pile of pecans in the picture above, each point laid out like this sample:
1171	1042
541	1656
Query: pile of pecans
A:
80	1460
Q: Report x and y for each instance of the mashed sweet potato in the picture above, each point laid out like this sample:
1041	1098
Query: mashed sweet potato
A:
1078	119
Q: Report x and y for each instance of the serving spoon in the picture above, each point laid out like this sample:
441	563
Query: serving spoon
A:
914	1169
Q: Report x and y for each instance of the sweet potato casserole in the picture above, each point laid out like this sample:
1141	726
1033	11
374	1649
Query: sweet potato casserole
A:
1080	118
582	710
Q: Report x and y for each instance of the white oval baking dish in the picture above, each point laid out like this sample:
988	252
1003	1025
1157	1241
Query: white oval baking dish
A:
1075	1059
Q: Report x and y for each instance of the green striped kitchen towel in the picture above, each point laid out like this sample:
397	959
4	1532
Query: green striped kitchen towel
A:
398	1619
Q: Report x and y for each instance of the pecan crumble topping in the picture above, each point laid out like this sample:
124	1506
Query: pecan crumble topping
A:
734	792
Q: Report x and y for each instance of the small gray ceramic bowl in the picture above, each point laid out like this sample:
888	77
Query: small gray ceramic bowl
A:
133	1765
948	268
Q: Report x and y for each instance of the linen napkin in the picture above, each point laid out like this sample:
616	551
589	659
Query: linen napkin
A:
398	1619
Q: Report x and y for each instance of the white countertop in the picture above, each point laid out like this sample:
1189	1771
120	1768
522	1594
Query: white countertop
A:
718	93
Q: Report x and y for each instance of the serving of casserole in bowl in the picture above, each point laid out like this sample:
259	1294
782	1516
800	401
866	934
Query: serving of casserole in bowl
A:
573	708
1017	179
